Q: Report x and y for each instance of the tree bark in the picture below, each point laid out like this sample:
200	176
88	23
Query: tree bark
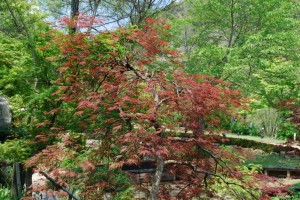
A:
16	185
157	177
74	14
28	178
231	24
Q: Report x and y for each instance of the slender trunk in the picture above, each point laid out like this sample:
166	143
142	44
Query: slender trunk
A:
18	178
58	185
231	24
94	6
74	14
23	29
201	125
157	177
16	185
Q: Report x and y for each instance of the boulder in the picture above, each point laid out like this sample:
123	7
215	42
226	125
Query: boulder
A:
5	118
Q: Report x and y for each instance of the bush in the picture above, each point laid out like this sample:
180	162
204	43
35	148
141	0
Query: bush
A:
258	145
4	193
125	194
14	151
244	129
5	174
295	193
286	131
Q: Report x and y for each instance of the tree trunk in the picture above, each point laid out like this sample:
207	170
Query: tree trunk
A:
58	185
74	14
157	177
16	184
201	125
28	178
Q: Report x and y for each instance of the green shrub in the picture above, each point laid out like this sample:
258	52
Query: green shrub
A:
258	145
4	193
295	193
16	150
244	129
125	194
286	131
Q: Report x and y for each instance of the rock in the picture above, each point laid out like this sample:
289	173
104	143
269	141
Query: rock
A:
5	114
5	118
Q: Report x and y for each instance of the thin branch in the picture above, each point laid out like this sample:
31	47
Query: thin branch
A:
54	182
207	173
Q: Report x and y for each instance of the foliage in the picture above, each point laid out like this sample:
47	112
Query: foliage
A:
135	12
14	151
13	56
4	193
6	172
291	109
124	195
265	120
26	75
128	90
293	195
286	131
295	190
113	13
236	192
244	129
120	88
247	42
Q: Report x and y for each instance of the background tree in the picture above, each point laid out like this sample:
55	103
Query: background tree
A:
27	75
114	13
249	43
133	12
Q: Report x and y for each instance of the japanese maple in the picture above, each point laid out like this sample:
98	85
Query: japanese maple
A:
127	90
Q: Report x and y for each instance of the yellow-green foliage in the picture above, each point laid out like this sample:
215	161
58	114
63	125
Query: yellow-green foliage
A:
235	189
4	193
14	151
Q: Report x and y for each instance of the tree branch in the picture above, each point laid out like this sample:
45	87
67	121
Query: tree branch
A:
54	182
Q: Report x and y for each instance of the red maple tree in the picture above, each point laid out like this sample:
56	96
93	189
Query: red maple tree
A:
127	90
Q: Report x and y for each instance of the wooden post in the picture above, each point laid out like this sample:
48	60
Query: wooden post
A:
295	137
266	172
